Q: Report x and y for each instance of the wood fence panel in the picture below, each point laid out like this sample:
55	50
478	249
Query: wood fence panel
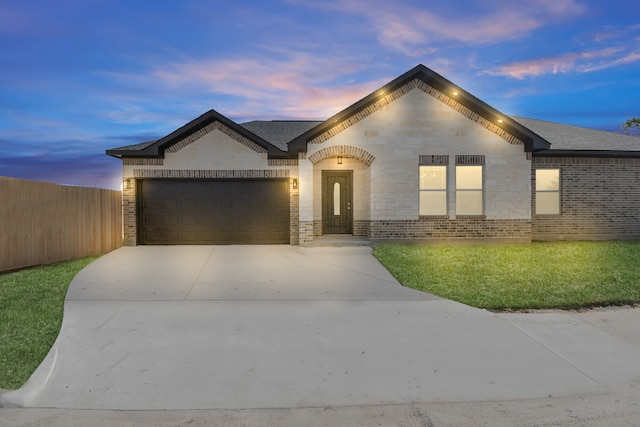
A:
42	223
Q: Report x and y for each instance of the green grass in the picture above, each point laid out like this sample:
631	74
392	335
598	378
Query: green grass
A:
31	307
566	275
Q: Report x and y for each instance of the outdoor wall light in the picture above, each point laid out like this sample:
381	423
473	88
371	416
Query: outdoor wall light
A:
454	93
339	160
125	184
294	183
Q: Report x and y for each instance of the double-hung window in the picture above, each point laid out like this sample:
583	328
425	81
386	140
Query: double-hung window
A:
433	190
547	191
469	185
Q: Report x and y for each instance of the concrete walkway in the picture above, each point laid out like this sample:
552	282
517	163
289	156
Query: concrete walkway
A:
242	327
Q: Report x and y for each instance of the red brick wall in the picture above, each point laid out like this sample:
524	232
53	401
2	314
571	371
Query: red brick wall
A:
444	228
599	199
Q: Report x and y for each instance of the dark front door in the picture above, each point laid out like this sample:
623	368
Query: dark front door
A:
337	198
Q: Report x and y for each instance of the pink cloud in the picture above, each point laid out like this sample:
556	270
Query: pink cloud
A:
411	29
615	32
300	87
570	62
627	59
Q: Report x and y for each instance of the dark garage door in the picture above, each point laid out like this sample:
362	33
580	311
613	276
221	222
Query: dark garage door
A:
213	211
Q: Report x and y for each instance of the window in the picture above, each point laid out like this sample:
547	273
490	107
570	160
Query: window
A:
469	190
547	191
433	190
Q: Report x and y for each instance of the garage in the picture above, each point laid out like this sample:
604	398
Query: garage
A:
213	211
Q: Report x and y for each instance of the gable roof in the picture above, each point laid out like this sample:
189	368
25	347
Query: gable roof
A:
156	149
285	139
575	138
279	132
531	140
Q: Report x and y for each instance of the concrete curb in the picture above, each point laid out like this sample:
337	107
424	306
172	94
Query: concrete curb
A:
36	383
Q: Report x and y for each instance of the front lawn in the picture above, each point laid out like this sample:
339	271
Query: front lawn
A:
31	306
565	275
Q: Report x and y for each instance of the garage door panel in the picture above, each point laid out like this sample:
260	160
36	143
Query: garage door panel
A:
214	211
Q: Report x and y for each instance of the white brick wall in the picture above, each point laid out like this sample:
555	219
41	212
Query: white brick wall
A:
213	151
416	124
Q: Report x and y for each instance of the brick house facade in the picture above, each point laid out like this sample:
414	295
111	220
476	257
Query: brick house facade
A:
420	158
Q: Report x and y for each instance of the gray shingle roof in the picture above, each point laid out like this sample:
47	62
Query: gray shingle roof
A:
561	136
136	147
279	132
567	137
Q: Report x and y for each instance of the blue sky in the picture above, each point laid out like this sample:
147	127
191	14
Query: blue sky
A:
80	76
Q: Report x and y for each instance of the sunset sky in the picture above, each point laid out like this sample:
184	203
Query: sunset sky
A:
80	76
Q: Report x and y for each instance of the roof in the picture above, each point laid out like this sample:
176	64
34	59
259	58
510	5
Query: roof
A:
567	137
279	132
283	139
155	149
531	140
135	147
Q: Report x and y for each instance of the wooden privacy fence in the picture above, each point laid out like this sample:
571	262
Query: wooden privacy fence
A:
41	223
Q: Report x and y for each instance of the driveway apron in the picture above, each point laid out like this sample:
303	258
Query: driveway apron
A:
232	327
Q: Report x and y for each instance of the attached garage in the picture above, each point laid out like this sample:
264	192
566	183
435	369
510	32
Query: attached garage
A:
213	211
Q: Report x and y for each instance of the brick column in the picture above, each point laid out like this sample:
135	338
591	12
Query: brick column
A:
305	171
129	209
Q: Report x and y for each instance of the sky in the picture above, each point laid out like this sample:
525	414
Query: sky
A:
78	77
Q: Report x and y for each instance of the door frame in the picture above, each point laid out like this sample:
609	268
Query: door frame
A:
345	219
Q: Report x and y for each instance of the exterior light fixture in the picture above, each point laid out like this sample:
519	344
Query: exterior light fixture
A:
500	121
454	93
339	160
294	183
125	184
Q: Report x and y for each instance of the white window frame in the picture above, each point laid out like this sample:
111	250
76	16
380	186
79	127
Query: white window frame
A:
479	190
425	191
554	191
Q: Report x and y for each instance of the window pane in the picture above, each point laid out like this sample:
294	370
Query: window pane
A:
547	179
433	203
468	202
433	177
469	177
336	198
548	203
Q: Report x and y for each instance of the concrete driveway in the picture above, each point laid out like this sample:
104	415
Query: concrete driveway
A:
233	327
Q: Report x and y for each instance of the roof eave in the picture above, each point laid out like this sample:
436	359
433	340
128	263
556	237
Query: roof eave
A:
531	140
587	153
157	149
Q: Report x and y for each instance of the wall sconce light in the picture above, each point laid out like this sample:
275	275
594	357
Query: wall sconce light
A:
294	183
339	160
125	184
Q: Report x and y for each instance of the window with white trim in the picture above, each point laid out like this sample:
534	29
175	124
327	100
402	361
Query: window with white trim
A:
469	190
547	191
433	190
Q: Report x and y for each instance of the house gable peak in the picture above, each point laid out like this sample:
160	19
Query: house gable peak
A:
206	123
440	88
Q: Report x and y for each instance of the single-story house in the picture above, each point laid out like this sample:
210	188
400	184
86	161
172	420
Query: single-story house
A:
419	158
